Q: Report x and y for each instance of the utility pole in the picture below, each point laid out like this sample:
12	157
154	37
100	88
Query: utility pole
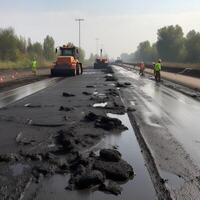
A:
79	25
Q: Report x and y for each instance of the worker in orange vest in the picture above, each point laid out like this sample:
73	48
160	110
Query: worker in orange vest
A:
142	69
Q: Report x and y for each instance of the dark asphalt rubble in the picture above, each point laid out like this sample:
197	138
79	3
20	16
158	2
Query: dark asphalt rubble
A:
110	77
65	94
105	122
87	93
123	84
29	105
106	172
64	108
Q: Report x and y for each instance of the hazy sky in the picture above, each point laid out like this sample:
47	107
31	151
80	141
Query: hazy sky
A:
119	24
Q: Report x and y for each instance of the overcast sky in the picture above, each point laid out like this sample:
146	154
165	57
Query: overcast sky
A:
119	24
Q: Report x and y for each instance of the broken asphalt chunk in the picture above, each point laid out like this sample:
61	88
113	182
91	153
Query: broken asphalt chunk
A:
8	157
116	171
66	140
89	179
108	123
65	94
90	86
122	84
131	109
110	155
66	109
105	122
110	77
91	116
111	187
87	93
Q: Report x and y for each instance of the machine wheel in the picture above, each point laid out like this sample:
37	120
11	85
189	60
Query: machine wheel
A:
52	73
78	69
81	68
74	72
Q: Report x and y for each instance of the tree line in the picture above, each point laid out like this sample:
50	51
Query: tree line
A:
15	48
171	46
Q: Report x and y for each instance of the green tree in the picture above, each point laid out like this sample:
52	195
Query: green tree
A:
146	52
192	45
8	44
170	44
49	48
22	44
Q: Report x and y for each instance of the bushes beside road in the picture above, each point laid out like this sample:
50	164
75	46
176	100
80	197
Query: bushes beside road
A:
17	52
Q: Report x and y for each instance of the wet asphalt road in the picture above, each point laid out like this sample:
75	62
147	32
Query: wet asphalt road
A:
181	111
168	119
53	187
13	95
170	124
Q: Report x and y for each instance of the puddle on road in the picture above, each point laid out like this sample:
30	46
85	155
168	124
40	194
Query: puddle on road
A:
172	180
18	169
100	105
140	187
126	73
148	118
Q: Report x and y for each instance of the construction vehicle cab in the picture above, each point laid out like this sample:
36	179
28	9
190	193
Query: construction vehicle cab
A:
67	62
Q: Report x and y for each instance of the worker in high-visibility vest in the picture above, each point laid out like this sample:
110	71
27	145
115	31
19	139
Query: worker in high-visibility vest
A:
157	69
34	66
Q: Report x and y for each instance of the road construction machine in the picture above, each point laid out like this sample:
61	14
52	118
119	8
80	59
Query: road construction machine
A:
101	62
67	62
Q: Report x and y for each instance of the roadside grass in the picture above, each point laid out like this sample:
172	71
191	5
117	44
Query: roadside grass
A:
23	64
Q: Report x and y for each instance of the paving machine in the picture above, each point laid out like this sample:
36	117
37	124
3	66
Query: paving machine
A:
101	62
67	62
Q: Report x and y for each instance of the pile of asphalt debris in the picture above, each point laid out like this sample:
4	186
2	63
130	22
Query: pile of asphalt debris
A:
105	172
105	122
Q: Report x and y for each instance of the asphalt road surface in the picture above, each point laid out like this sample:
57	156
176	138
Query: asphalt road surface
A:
30	125
169	122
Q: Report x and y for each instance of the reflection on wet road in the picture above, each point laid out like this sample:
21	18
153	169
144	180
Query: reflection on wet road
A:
11	96
180	112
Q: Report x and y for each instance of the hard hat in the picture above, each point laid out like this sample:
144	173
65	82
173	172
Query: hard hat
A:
159	60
